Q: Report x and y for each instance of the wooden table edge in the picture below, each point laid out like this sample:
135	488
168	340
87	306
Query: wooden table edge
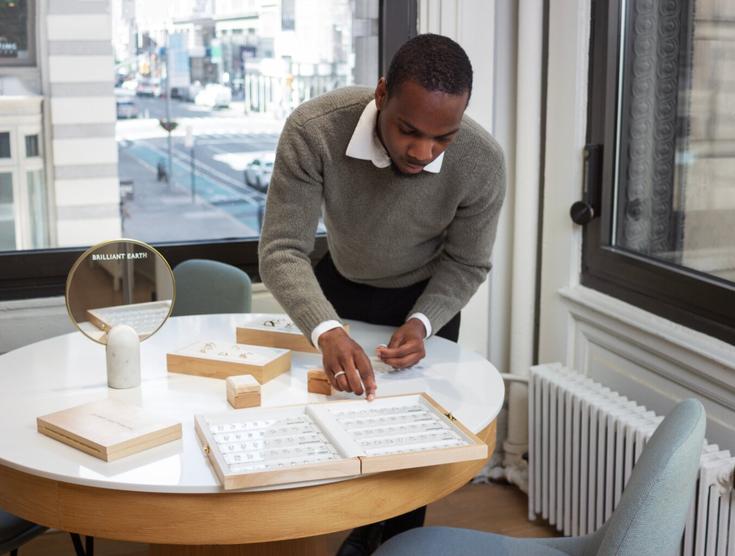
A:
218	518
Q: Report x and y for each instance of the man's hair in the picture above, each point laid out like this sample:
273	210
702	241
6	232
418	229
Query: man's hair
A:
435	62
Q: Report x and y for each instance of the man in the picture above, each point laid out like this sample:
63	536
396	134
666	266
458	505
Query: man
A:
411	191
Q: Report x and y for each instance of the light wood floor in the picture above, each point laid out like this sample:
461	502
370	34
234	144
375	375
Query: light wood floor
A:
487	507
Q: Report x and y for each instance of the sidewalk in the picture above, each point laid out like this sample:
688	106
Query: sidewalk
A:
161	212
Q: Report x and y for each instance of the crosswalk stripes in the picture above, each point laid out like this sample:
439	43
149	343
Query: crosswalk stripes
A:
226	135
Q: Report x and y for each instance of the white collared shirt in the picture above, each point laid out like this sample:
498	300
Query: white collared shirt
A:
365	145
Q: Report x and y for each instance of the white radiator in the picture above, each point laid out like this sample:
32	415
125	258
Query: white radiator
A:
584	440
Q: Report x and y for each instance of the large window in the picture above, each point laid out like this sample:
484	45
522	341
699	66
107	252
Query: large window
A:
661	159
202	90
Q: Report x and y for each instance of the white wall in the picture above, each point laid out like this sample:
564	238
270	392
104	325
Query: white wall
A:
472	24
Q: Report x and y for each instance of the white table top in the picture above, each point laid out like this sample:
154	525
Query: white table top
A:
69	370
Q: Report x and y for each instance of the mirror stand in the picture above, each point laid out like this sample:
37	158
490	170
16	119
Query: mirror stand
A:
123	357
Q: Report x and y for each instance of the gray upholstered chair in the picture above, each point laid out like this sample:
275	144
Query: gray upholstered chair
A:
15	532
211	287
649	521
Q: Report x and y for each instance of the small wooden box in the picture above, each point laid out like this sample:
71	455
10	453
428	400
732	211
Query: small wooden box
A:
243	391
283	335
108	429
222	359
318	383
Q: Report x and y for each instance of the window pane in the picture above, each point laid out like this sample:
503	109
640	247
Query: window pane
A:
7	213
5	144
38	210
31	146
236	69
676	193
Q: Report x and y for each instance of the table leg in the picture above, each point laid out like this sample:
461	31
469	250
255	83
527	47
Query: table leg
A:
310	546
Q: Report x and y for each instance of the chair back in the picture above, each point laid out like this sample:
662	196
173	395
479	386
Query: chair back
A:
652	512
15	532
211	287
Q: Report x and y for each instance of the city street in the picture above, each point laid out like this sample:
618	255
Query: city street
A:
206	196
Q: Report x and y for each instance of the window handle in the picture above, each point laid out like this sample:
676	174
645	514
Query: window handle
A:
584	211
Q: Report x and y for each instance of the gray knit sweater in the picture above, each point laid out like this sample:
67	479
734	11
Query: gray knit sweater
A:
383	229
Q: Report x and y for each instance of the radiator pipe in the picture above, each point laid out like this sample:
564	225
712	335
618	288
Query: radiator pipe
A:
507	377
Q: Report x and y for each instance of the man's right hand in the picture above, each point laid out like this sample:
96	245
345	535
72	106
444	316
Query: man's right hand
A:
344	357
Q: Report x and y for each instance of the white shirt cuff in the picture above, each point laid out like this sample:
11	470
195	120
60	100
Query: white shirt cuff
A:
321	329
425	321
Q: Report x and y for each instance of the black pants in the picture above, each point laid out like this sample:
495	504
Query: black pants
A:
386	306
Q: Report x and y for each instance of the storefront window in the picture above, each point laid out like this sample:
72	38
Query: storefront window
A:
16	33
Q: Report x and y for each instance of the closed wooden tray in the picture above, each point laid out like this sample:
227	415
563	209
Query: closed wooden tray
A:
222	359
283	335
108	429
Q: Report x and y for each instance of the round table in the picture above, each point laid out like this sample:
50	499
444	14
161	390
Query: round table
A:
169	496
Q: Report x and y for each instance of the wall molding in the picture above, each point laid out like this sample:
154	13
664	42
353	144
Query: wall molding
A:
668	339
651	360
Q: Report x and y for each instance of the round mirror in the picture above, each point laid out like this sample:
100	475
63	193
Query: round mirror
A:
122	281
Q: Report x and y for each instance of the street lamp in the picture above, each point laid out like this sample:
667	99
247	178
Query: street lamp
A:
169	125
189	143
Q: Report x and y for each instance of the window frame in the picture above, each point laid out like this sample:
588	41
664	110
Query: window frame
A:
694	299
42	272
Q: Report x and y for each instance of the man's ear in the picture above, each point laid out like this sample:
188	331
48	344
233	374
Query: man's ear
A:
381	93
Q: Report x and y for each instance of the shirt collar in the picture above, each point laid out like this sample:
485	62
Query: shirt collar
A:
365	144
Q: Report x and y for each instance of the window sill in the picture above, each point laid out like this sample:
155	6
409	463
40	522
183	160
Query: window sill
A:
698	352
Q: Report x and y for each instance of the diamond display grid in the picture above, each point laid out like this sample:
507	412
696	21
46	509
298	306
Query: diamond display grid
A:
239	353
271	444
382	431
143	320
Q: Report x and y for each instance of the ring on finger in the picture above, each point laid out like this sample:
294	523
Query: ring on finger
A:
338	374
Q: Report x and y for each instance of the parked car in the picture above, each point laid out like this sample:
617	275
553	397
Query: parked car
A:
129	87
149	86
214	95
126	107
259	170
193	90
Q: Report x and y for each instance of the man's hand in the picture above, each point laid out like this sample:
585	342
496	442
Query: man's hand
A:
346	364
406	347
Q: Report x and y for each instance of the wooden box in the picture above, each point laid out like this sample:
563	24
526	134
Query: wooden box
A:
108	429
243	391
223	359
267	446
318	383
281	334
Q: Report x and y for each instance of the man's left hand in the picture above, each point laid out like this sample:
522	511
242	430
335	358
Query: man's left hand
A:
406	347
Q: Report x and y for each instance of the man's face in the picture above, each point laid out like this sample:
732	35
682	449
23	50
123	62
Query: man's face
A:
416	125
